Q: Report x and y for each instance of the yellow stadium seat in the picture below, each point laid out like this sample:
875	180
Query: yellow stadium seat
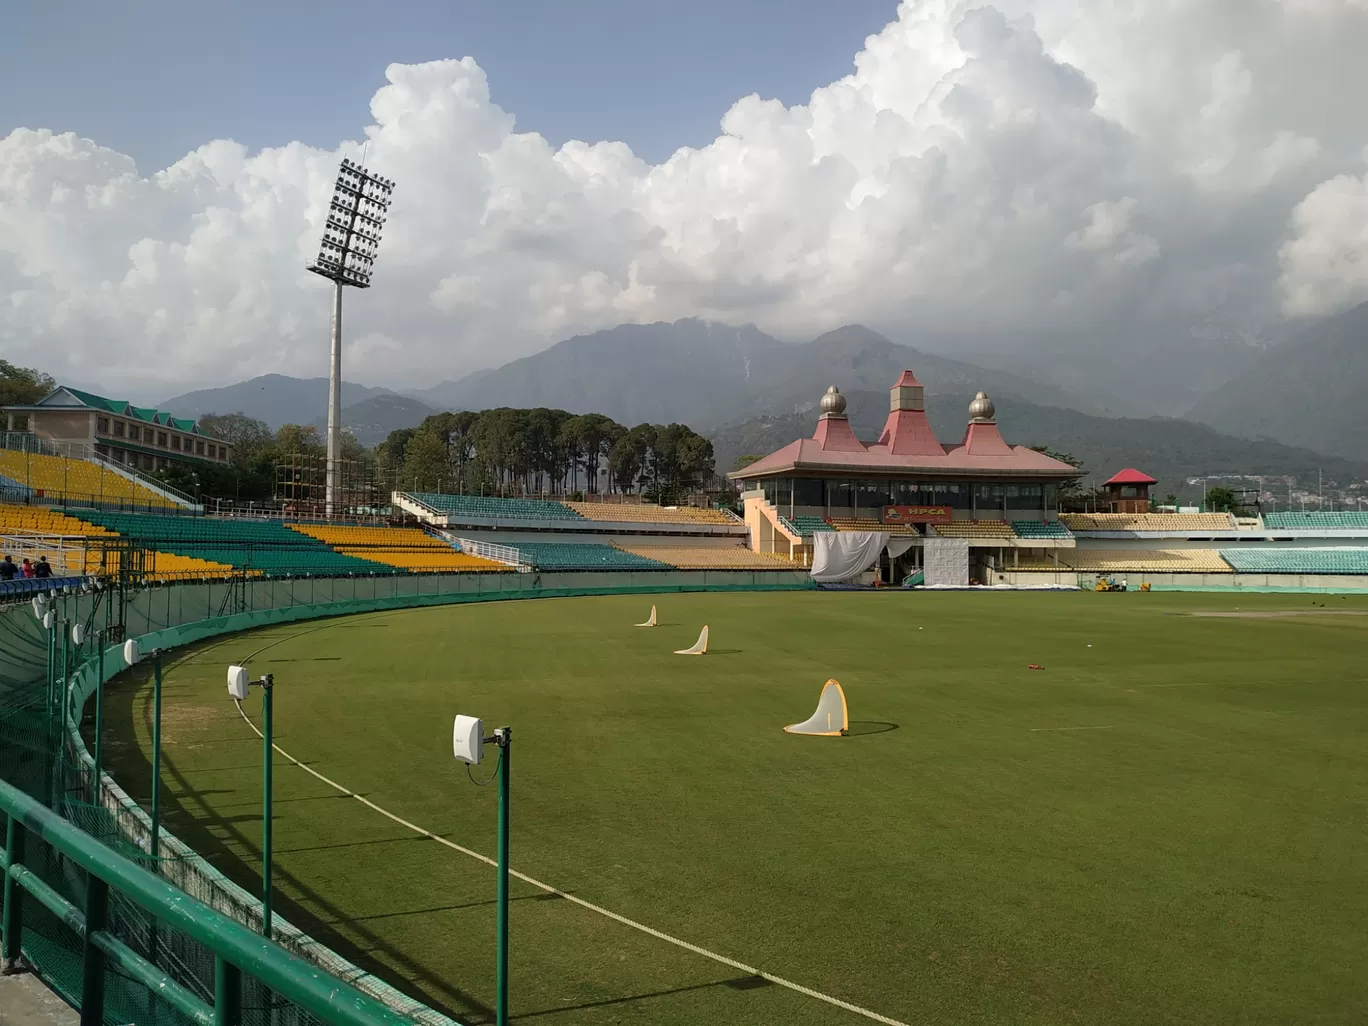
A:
1133	561
708	557
57	477
642	513
1148	521
407	548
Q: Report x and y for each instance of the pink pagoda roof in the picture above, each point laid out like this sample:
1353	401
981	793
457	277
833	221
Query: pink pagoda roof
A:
907	444
1130	476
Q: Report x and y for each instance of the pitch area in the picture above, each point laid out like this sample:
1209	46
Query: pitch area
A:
1164	824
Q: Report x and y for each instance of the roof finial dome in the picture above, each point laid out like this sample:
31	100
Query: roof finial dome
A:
833	402
982	410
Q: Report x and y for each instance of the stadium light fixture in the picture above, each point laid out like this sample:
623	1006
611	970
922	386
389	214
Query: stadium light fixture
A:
238	686
467	745
346	255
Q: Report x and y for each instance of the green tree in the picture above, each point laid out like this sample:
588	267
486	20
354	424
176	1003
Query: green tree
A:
426	467
1223	500
23	386
742	462
247	435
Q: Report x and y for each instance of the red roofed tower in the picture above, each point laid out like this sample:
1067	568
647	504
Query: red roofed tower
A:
907	432
834	433
1128	491
982	437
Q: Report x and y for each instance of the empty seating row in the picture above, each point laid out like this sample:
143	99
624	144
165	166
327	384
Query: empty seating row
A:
495	509
587	556
1148	521
708	557
1298	561
1039	529
870	524
58	477
1318	519
975	529
804	526
643	513
1133	561
37	520
406	548
266	546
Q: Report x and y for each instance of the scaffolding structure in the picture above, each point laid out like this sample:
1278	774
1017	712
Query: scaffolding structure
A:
301	486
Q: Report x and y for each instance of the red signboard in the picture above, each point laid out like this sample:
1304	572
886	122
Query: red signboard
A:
917	514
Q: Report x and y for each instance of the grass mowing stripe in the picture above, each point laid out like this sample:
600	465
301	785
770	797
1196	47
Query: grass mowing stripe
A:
642	927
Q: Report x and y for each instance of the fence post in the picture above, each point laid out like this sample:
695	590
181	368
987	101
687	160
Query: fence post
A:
92	958
13	927
227	993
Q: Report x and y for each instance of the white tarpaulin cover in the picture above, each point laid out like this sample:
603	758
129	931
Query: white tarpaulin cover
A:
843	555
897	546
947	562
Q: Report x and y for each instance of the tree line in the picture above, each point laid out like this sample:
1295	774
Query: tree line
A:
542	451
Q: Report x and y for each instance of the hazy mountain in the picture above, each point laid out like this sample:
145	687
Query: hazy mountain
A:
1308	391
1168	449
274	398
706	374
371	420
632	373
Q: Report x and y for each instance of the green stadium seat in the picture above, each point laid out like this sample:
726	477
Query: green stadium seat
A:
1297	561
494	509
585	556
1040	529
1317	520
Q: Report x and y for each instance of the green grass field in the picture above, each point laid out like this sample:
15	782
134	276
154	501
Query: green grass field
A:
1165	827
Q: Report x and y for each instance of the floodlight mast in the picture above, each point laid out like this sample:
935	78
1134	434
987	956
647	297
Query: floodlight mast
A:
351	239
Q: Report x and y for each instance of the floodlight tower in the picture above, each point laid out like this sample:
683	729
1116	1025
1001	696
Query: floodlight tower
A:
351	238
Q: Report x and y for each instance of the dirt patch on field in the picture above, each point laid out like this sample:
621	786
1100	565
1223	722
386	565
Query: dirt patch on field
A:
1268	614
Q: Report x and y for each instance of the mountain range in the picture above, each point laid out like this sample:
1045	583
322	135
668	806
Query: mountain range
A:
1284	404
1309	391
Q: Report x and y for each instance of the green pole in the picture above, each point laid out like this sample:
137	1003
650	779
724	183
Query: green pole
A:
12	930
155	846
504	771
99	712
267	683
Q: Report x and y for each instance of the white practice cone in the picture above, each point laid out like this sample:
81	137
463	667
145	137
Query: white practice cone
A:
700	646
650	622
831	718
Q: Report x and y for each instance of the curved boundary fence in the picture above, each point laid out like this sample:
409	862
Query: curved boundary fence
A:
149	965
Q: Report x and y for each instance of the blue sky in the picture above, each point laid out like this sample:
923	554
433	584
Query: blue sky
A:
156	78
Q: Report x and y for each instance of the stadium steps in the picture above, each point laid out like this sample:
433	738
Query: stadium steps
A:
644	513
73	480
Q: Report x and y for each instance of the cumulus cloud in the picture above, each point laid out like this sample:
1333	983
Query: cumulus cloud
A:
990	167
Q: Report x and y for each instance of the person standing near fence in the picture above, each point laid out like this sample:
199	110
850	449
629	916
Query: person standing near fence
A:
7	568
26	568
42	568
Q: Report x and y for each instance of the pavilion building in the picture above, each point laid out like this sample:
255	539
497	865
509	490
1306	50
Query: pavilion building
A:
998	496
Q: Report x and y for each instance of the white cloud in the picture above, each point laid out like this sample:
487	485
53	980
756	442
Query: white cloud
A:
1019	166
1325	263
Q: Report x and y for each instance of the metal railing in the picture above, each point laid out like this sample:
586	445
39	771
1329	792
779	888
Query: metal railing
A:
492	550
34	835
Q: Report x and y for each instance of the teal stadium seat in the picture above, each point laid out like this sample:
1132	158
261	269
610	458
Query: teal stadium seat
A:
805	526
494	509
1297	561
262	545
1344	520
586	556
1040	529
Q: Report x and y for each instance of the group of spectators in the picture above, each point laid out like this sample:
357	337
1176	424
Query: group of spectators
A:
9	569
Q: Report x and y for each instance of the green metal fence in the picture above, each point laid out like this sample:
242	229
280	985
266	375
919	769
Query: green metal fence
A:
77	850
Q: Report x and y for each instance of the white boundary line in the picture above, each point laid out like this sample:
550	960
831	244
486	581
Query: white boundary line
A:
642	927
